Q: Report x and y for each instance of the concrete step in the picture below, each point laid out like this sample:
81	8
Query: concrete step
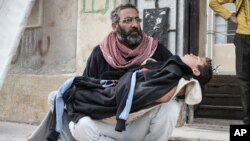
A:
223	84
201	132
221	99
224	78
205	129
223	88
215	121
221	112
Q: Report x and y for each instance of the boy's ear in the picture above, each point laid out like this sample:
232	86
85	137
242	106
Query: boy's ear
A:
196	72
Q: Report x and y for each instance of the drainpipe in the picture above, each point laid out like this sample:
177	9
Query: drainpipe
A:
176	26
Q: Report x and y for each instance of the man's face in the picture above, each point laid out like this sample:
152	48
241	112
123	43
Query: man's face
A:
194	61
129	29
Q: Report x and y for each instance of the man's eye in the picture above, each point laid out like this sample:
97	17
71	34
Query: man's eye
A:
129	20
138	19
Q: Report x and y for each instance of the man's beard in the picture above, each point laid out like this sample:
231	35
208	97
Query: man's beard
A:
126	37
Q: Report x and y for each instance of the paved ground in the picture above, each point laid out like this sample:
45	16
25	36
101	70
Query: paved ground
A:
15	131
10	131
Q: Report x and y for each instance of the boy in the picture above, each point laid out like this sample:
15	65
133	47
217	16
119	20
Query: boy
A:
145	87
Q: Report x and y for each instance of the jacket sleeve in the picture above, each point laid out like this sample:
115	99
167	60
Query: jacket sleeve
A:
91	69
216	6
162	53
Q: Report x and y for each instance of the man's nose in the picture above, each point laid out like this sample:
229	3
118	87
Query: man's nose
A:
135	23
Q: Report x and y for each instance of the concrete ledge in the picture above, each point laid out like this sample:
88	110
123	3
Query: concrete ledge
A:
23	98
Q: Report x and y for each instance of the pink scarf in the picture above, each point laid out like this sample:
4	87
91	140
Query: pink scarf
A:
119	56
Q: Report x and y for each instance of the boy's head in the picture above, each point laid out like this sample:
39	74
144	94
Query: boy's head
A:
201	67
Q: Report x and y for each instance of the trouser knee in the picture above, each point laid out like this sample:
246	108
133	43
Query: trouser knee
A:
85	129
172	108
51	99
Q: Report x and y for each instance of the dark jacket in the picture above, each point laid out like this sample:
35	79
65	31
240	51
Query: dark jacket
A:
89	98
98	67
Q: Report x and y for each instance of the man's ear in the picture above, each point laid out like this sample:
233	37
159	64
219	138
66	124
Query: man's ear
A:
114	26
196	72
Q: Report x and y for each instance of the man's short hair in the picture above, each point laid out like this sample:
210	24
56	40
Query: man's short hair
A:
115	13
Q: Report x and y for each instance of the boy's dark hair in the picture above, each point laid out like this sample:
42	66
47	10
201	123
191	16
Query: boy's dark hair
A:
206	72
115	13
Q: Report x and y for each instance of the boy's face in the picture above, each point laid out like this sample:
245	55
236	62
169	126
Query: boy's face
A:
193	62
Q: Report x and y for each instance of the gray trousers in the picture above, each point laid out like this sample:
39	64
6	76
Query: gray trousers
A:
42	130
156	125
242	43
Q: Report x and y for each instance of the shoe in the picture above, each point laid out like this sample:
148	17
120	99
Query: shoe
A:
246	120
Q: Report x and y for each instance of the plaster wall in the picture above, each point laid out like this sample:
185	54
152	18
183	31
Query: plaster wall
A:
48	45
93	25
53	48
45	59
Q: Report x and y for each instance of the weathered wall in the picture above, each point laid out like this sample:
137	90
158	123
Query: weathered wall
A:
93	25
24	97
45	58
48	47
53	48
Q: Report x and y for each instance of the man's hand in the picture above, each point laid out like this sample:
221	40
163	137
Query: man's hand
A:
233	19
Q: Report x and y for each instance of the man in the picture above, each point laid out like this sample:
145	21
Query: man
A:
242	44
123	50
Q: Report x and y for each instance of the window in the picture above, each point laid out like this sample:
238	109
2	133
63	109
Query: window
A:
224	31
36	15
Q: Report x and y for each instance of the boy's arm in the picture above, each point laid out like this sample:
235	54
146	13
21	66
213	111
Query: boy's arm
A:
216	6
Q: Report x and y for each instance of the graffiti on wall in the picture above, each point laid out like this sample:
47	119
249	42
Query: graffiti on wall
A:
94	6
31	44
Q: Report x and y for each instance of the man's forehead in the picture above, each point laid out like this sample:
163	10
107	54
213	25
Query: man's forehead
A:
128	12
